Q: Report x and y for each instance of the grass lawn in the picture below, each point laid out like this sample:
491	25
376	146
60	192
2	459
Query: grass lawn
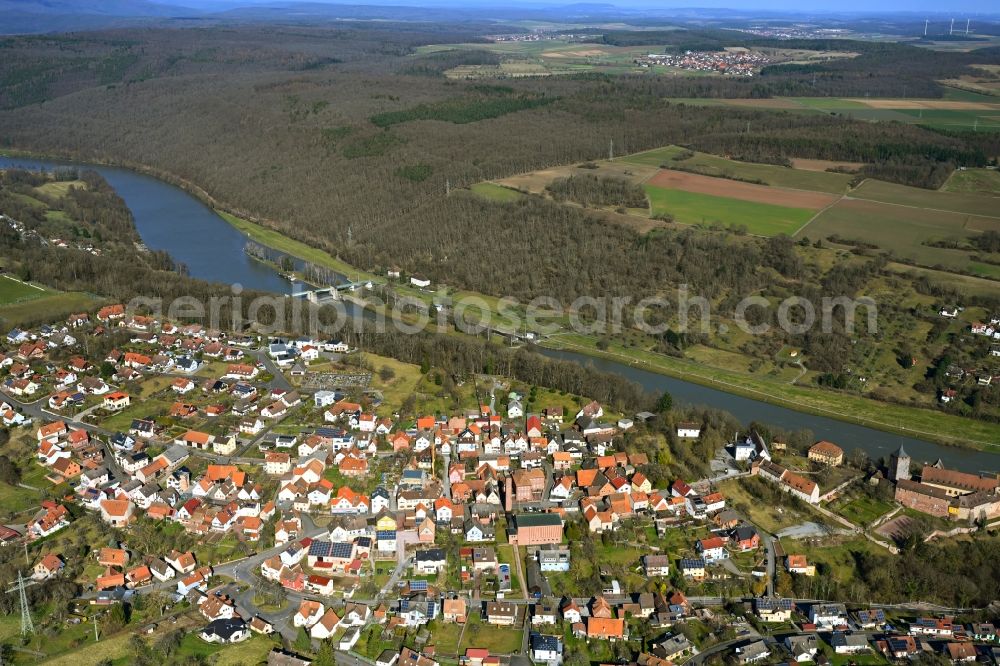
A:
15	291
51	306
115	648
192	646
758	218
866	659
771	518
282	243
139	410
495	192
405	378
252	651
498	640
862	510
506	555
445	636
836	552
17	499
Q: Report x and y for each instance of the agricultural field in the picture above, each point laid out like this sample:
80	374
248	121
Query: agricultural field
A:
915	197
981	82
974	181
700	189
50	306
904	230
15	291
757	218
766	174
969	111
960	109
542	58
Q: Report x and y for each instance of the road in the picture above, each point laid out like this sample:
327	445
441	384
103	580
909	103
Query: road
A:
279	381
768	540
725	646
397	573
445	475
39	414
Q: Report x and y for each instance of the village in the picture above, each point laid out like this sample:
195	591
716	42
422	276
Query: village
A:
278	492
736	62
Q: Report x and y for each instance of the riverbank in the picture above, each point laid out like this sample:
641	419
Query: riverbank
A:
923	423
927	424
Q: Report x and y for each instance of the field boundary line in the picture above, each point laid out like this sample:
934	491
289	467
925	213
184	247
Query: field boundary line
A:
26	284
813	218
933	210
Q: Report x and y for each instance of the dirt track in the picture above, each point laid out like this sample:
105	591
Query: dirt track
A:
734	189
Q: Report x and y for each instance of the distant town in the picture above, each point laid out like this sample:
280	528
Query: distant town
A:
735	63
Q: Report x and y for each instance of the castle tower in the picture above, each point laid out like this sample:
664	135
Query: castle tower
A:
899	465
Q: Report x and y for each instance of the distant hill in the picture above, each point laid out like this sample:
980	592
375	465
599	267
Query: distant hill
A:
44	16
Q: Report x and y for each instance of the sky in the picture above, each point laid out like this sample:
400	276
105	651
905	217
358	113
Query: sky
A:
952	8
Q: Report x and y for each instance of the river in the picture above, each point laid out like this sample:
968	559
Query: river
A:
170	219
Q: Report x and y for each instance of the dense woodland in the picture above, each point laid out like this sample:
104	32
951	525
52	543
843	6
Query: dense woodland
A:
346	139
591	190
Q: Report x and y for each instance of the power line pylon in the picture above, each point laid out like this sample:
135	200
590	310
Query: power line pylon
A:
27	626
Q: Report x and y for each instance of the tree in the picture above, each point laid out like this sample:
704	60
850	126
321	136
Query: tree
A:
115	619
9	473
665	403
302	641
325	656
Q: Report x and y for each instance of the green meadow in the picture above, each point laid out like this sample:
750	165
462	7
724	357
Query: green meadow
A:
758	218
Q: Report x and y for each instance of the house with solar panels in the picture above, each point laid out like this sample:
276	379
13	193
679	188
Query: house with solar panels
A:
772	609
546	649
417	609
329	554
386	541
869	619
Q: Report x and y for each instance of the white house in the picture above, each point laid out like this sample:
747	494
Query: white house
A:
688	430
546	649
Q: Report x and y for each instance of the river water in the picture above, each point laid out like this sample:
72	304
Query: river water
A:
170	219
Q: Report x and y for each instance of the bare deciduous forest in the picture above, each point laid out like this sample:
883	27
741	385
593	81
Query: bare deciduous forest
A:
345	139
315	131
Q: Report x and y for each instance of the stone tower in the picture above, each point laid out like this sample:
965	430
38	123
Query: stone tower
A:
899	465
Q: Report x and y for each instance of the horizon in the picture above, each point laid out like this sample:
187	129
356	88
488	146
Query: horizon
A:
833	8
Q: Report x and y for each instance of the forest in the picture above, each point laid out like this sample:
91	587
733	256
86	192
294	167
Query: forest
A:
314	131
591	190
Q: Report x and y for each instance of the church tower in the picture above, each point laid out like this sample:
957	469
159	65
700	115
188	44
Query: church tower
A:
899	465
